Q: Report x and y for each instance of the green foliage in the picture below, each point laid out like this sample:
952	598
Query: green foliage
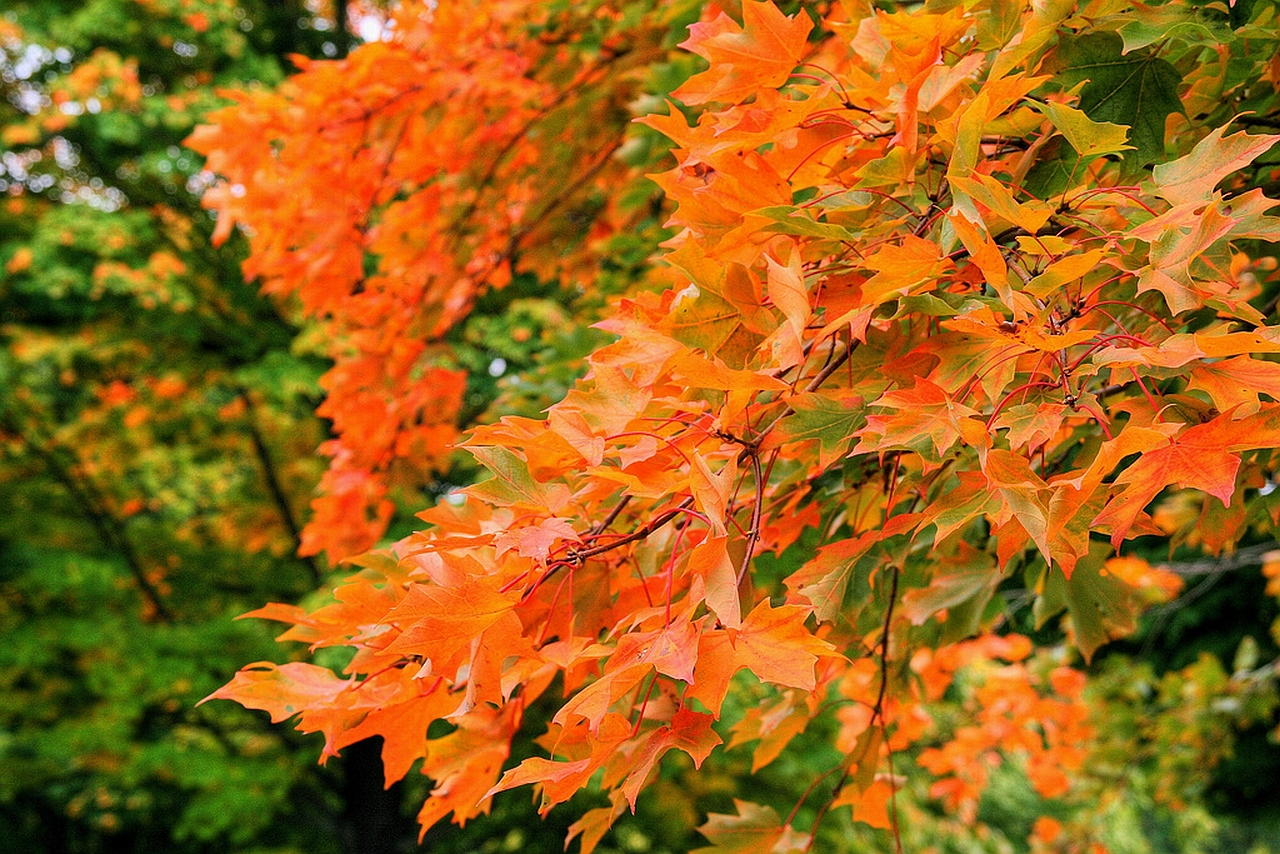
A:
157	437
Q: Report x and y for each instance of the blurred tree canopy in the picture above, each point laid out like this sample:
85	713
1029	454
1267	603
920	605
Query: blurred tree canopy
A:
157	437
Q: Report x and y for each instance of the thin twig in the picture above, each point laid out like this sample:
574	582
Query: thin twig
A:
753	535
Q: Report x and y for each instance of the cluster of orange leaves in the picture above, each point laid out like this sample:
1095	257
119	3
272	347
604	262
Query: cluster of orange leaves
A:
419	186
865	333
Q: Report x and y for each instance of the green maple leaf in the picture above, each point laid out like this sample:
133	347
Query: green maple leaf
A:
1102	607
754	830
828	418
1137	89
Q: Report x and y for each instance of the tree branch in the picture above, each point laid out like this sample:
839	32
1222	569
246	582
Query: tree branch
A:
278	496
110	529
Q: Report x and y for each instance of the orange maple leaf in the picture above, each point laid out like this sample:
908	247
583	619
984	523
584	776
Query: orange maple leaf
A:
759	54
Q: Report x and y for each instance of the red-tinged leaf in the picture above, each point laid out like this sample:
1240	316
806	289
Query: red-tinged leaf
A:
672	651
786	288
870	806
561	780
594	824
925	419
1184	462
1204	457
754	830
1236	382
714	670
279	612
465	764
1071	510
440	621
1023	495
826	578
709	561
1192	177
1181	241
776	646
689	731
403	728
711	489
901	268
282	689
535	541
760	54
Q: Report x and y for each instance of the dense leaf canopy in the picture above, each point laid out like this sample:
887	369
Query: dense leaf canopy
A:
809	399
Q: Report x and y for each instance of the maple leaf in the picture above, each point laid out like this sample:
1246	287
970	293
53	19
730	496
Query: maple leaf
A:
688	730
754	829
773	725
1137	89
1087	137
1205	457
671	650
535	541
1192	177
465	764
711	489
924	419
560	780
831	419
438	622
775	644
284	690
513	484
710	562
1102	606
403	728
870	806
961	586
1234	384
759	54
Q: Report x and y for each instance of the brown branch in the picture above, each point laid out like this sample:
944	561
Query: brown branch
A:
757	505
1259	121
603	525
576	558
877	711
638	534
274	487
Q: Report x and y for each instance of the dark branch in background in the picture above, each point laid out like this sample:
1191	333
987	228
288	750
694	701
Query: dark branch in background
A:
1259	121
109	528
1210	572
273	485
1248	556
